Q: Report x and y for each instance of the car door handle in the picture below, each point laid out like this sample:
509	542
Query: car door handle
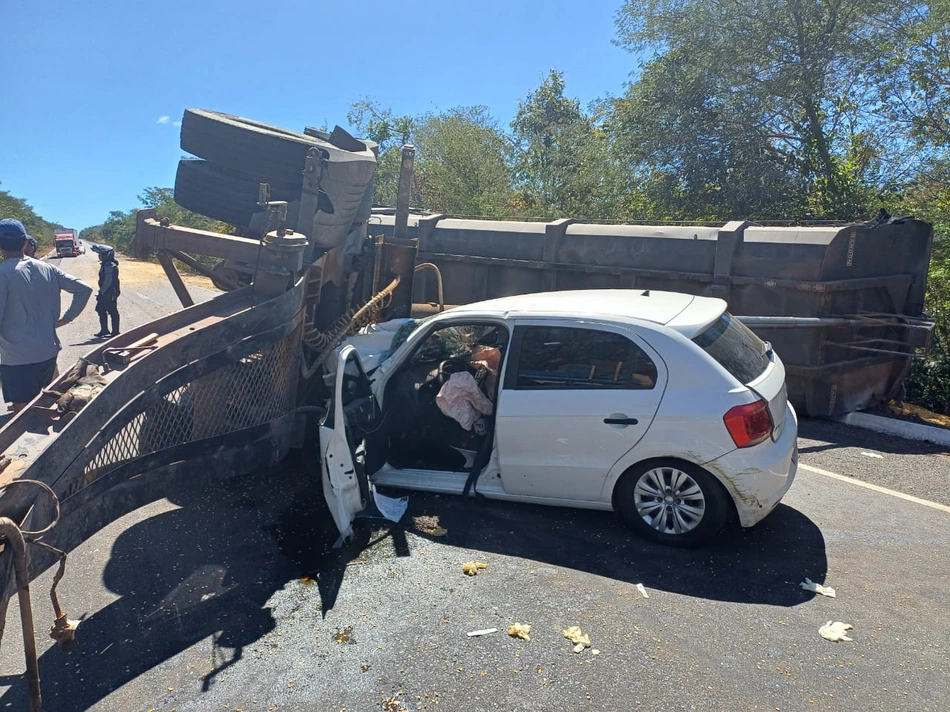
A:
621	421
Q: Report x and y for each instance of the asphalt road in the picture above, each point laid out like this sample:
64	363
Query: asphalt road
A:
231	598
201	603
146	295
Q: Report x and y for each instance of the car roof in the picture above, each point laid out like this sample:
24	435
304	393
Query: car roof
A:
685	313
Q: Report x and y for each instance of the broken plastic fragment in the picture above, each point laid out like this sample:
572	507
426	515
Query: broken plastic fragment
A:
642	590
579	648
392	508
393	704
475	633
577	636
835	631
594	651
810	585
520	630
471	567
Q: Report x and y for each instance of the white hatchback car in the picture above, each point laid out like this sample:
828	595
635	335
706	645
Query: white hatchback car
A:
659	405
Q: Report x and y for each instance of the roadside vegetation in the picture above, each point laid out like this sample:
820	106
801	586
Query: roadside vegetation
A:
42	230
791	112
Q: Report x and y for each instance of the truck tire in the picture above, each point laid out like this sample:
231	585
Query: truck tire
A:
254	147
227	195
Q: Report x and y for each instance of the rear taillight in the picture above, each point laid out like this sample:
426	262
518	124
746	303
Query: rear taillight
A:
749	424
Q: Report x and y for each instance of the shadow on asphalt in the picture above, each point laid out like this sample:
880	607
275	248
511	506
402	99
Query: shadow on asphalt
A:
763	565
838	436
90	341
208	569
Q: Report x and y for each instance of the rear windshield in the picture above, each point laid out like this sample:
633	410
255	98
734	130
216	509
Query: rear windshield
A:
733	345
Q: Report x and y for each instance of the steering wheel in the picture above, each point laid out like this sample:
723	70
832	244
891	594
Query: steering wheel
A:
453	365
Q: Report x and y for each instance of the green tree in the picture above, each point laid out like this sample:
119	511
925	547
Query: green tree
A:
376	123
915	67
563	163
36	226
695	153
791	81
462	158
463	163
118	229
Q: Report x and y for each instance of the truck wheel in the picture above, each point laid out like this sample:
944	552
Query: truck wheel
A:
227	195
254	147
234	277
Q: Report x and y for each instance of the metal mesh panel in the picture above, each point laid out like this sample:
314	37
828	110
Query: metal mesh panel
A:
249	392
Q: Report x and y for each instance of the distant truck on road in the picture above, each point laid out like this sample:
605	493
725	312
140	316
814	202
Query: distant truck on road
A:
67	242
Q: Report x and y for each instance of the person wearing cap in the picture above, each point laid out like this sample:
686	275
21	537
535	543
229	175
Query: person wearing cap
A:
30	305
30	250
107	298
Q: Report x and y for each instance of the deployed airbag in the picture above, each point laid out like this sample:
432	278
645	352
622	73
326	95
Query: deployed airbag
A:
462	400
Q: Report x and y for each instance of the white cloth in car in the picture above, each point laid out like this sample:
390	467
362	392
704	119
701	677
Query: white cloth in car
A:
462	400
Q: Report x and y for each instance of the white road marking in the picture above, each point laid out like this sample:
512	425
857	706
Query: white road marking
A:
875	488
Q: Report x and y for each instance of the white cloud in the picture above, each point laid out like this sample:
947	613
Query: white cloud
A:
163	119
176	123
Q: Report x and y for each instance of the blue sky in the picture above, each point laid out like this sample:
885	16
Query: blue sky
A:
93	90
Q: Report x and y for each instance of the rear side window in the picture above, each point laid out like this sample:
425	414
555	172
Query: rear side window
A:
733	345
570	358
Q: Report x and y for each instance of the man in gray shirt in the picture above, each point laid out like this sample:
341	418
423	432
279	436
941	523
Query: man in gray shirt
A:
29	316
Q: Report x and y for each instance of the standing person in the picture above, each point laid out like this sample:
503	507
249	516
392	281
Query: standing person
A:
107	298
29	316
31	246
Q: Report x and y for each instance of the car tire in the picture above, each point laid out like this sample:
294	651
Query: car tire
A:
646	498
226	195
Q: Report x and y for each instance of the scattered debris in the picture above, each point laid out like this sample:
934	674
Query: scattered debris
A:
393	704
923	414
580	639
873	454
476	633
594	651
471	567
429	524
307	581
835	631
344	635
364	667
810	585
520	630
642	590
77	397
81	369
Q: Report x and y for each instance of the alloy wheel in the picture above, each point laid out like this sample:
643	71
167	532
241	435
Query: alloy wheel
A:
669	500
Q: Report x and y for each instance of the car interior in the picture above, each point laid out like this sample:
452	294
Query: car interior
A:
440	404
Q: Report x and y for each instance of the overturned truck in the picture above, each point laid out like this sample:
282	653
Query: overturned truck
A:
231	385
842	305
